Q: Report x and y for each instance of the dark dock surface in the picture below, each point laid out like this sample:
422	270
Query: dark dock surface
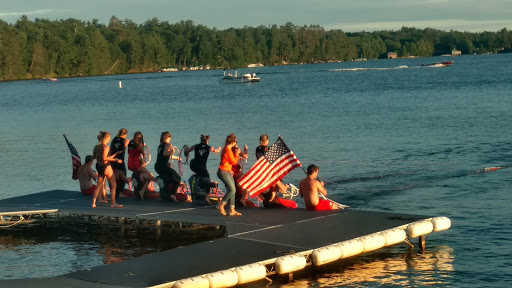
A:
258	235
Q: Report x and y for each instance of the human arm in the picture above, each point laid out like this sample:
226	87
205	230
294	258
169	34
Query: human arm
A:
110	158
189	149
169	151
232	158
282	187
320	187
92	174
215	150
245	153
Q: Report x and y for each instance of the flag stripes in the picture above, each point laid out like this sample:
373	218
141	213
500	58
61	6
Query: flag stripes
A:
270	168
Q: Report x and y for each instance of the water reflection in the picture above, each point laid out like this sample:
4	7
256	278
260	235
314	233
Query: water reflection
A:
48	249
391	268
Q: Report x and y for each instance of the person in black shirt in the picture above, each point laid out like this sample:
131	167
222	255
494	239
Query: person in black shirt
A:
119	144
260	150
162	167
201	153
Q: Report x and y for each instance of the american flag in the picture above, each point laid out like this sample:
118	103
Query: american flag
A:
75	158
270	168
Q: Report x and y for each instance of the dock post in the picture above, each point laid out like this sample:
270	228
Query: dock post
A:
421	242
290	276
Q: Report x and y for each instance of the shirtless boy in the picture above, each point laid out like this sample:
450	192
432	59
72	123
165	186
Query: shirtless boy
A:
85	175
310	187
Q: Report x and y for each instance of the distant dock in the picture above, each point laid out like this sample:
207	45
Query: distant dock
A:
261	243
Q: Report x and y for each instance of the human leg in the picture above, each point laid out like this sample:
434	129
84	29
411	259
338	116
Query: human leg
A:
145	170
229	197
99	186
109	173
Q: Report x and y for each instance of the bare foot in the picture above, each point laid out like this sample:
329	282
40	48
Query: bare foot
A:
115	205
141	193
93	206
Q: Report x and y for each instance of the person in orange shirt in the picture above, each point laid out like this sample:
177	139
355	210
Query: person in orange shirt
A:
228	158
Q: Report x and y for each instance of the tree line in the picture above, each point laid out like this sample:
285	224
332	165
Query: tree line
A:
65	48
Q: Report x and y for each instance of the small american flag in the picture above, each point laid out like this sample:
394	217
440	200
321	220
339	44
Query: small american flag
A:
270	168
75	158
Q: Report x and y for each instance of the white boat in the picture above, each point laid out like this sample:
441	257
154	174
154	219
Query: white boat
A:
234	77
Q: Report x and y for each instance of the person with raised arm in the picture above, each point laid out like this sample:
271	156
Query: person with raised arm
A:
201	153
100	153
309	188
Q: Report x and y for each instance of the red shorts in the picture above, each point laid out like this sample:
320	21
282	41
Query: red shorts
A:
90	191
321	206
286	203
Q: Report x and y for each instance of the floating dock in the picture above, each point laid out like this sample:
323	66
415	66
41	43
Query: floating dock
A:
258	244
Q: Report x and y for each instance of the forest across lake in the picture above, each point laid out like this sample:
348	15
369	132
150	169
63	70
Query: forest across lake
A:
67	48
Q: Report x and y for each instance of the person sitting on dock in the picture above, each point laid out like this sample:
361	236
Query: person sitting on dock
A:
310	187
164	170
85	176
271	200
136	162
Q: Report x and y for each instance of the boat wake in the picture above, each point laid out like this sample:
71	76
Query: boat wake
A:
370	69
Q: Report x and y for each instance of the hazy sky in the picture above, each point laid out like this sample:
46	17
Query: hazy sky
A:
348	15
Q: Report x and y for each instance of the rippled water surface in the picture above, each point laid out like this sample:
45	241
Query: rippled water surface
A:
402	139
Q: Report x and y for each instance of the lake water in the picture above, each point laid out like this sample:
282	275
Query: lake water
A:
388	135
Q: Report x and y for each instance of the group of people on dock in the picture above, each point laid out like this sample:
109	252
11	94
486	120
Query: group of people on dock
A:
110	166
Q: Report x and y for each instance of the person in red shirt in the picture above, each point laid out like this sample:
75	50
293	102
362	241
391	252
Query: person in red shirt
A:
228	158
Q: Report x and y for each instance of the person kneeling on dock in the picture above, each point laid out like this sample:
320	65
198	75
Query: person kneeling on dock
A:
310	187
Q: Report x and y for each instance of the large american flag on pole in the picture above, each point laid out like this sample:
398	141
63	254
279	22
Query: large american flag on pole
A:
75	158
270	168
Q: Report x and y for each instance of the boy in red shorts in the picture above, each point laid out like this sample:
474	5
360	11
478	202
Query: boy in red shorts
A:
310	187
85	175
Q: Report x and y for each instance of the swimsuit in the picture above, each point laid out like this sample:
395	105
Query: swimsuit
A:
321	206
101	168
89	191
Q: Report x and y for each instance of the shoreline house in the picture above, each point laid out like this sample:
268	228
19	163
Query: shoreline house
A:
456	52
392	55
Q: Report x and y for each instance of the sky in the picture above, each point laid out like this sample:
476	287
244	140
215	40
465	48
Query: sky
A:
347	15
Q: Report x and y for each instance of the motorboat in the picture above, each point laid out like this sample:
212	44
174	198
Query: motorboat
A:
438	64
234	77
